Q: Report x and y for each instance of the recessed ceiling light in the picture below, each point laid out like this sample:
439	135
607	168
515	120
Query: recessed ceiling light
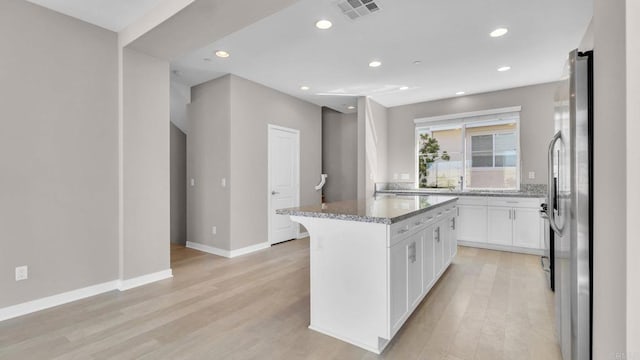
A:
504	68
404	88
324	24
499	32
222	54
460	93
351	107
375	64
417	62
304	88
207	59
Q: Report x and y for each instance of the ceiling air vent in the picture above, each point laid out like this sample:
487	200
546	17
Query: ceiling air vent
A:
355	9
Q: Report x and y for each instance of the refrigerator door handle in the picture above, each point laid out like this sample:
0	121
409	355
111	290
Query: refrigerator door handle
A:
550	190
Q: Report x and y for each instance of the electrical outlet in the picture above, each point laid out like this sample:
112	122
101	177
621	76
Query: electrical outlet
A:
532	175
223	182
22	273
404	176
214	230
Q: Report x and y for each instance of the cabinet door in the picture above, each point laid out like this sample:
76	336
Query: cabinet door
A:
472	223
428	258
500	226
527	228
414	267
398	279
445	233
438	248
454	236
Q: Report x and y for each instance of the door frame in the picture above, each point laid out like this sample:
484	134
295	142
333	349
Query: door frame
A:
296	132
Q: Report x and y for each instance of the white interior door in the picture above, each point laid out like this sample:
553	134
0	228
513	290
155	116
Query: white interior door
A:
284	184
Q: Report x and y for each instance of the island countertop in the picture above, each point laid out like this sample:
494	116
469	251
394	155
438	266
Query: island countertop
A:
382	209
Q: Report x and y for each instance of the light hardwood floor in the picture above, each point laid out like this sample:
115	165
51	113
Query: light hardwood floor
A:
488	305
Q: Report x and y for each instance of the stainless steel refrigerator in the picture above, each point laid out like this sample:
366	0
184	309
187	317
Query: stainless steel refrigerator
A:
569	207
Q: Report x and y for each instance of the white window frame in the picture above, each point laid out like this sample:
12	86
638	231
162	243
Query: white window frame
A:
493	150
462	120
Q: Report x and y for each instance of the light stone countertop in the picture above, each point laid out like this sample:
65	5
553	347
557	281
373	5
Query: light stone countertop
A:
520	194
382	209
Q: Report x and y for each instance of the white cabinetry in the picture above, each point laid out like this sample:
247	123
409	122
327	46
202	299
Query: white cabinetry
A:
421	250
500	228
428	250
472	222
527	228
399	285
501	223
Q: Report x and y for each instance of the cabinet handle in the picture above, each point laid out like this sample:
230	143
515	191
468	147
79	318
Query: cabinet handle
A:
509	214
402	231
412	252
514	214
458	209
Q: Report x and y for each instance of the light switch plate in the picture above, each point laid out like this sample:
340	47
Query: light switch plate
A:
532	175
192	182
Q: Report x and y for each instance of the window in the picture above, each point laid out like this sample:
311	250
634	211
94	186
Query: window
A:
495	150
476	151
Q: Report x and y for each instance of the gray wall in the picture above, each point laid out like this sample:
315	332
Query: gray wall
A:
58	153
610	198
339	155
178	162
208	162
376	144
146	170
633	174
536	126
362	151
228	120
253	108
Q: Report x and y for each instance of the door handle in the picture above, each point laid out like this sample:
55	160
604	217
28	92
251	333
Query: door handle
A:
552	220
274	192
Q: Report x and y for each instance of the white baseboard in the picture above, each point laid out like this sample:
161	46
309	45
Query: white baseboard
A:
29	307
128	284
56	300
302	235
488	246
227	253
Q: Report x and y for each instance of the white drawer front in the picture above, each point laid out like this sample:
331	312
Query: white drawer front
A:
516	202
472	200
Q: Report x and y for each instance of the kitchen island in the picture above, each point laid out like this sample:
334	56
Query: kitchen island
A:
372	262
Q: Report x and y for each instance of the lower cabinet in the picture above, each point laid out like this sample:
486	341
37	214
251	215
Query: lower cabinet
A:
417	258
527	228
399	286
502	223
500	229
428	259
438	253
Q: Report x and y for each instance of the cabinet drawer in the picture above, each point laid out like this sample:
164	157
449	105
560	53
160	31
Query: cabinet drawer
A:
516	202
472	200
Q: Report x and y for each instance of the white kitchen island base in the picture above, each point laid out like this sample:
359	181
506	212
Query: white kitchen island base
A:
367	277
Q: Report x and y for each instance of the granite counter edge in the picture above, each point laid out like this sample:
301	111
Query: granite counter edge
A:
360	218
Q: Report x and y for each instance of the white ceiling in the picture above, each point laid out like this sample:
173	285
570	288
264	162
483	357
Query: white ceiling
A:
449	37
114	15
